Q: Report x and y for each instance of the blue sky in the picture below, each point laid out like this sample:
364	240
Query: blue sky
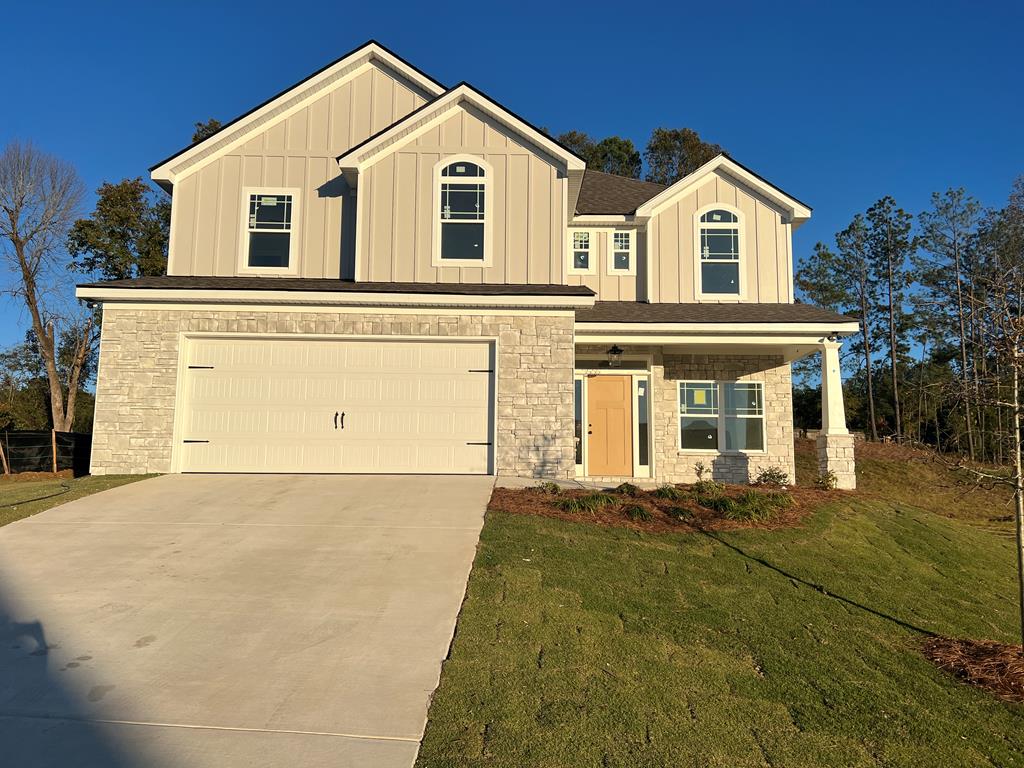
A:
838	104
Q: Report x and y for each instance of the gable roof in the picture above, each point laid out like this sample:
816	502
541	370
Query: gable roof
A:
430	114
235	131
606	193
797	211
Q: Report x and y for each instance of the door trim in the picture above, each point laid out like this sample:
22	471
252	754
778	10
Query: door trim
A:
581	374
185	339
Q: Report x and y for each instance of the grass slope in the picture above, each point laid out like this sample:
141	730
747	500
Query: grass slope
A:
22	498
586	646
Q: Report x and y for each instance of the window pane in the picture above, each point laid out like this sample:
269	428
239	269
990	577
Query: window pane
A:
463	169
268	249
744	399
642	424
581	241
462	201
579	421
620	241
744	434
719	215
621	261
698	433
462	241
270	212
719	244
581	260
698	398
720	278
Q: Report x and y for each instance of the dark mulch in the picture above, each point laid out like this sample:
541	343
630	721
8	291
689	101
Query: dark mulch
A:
28	477
666	515
996	667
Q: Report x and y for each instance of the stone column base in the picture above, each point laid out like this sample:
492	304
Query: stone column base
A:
835	453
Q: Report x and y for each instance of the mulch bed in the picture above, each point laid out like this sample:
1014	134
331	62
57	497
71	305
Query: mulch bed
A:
535	501
996	667
20	477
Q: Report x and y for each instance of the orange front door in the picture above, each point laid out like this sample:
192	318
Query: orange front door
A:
610	425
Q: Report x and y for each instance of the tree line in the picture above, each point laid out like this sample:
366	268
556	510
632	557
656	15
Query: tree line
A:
930	293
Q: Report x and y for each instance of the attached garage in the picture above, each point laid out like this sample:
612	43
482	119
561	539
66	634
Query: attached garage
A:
323	405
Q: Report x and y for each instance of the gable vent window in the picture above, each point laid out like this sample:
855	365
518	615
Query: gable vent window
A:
720	253
269	230
463	212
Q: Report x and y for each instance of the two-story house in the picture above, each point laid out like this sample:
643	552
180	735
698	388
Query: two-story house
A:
371	272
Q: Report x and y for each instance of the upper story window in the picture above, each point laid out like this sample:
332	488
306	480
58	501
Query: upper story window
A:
720	248
582	252
268	235
463	213
622	253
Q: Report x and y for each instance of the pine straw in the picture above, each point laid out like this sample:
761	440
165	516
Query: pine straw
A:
665	513
996	667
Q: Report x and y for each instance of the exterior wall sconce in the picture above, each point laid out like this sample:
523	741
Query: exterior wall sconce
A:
614	356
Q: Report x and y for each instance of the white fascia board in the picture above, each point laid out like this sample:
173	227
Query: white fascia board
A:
325	298
797	211
747	330
362	157
598	218
243	129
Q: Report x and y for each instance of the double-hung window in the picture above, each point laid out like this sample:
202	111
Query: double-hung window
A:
720	258
269	230
581	243
721	416
463	213
622	253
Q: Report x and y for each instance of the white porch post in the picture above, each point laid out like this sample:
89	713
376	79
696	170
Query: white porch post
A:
835	443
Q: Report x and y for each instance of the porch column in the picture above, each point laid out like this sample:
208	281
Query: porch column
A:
835	443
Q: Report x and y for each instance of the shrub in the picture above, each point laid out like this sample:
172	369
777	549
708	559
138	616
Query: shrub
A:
751	505
680	513
707	488
548	487
774	477
589	503
720	503
669	492
637	512
628	489
827	480
700	469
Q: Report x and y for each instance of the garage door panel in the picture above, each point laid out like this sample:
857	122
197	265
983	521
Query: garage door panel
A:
261	405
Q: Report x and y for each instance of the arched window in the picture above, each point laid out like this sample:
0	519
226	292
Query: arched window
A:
719	247
463	221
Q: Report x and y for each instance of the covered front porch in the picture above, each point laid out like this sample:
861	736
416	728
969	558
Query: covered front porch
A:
668	404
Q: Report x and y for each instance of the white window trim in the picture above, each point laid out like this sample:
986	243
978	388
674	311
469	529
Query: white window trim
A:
592	251
740	225
435	215
294	232
720	417
611	253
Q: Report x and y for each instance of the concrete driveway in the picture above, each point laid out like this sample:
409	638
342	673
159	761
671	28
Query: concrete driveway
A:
230	620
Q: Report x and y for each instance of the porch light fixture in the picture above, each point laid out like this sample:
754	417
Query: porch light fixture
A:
614	356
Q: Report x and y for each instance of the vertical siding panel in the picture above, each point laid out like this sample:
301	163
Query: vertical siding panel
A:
766	255
687	248
473	133
405	102
363	225
752	258
404	238
359	108
318	123
206	218
230	217
275	137
341	119
314	242
298	131
498	203
184	226
670	242
273	172
518	180
426	207
383	208
540	221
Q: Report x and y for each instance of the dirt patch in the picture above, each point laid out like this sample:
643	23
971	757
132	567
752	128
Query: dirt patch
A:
664	515
20	477
996	667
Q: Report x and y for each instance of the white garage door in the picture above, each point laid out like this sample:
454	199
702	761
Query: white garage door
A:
294	405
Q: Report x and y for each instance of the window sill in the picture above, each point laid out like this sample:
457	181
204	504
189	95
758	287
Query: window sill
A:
716	452
479	263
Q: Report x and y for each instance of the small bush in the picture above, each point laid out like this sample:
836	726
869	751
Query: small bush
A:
700	469
754	506
637	512
548	487
628	489
707	488
669	492
680	513
827	480
721	504
773	477
589	503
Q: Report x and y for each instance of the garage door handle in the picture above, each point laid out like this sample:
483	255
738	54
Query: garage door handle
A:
335	419
342	419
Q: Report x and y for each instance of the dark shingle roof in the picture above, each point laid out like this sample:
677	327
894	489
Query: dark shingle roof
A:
182	282
642	312
611	194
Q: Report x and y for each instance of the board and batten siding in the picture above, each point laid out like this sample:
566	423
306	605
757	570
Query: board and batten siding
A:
610	287
525	196
298	151
767	256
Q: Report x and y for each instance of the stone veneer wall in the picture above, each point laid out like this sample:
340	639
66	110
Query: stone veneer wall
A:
677	467
137	381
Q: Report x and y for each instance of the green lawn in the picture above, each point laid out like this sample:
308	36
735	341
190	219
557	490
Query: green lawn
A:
583	646
22	498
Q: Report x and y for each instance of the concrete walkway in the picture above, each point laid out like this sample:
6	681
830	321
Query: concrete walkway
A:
230	620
